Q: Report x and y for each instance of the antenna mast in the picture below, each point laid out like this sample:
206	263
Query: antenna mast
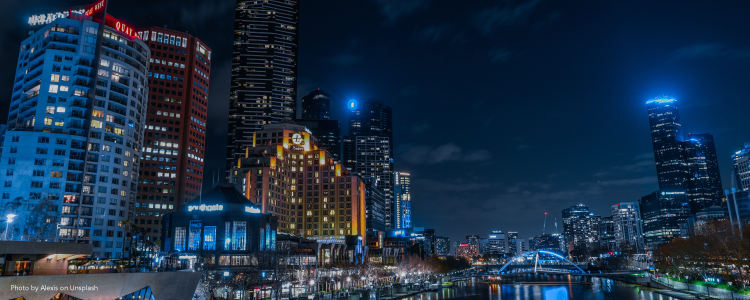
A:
544	228
555	223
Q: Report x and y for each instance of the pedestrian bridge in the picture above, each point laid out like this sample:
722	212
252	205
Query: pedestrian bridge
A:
540	261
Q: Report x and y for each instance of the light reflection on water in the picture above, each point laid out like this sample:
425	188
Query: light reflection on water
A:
544	287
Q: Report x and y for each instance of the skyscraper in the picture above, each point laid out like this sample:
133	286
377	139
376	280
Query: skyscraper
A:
402	200
171	171
704	182
316	106
75	128
374	206
442	246
683	167
627	225
315	115
741	171
368	149
263	86
669	149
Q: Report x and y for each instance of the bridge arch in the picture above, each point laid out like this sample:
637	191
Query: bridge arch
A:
537	252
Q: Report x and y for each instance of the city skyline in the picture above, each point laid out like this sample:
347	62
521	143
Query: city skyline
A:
452	159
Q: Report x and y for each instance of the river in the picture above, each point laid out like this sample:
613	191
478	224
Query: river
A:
533	287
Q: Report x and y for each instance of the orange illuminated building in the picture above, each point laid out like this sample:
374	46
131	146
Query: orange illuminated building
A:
287	175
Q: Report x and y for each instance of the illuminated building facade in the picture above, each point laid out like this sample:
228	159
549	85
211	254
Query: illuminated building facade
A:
683	167
442	246
467	251
497	243
263	87
402	199
222	228
287	175
704	182
627	225
662	214
741	171
75	129
368	149
374	206
669	148
171	169
580	227
607	234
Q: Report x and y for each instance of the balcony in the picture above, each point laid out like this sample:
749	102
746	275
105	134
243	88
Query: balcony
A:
78	103
80	82
82	72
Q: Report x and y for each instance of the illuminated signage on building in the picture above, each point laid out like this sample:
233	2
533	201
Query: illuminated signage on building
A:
297	138
94	8
398	232
46	18
187	257
121	27
252	210
352	104
203	207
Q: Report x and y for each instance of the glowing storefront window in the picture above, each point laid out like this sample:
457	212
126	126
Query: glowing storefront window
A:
194	239
179	238
239	235
209	238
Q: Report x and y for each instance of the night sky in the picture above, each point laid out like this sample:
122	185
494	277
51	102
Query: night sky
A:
502	109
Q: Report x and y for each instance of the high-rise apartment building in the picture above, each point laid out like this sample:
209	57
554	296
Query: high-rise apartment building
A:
704	182
263	88
607	234
442	246
316	106
315	114
627	224
580	227
741	170
661	214
368	149
512	243
402	200
496	243
374	206
286	174
75	128
683	167
171	169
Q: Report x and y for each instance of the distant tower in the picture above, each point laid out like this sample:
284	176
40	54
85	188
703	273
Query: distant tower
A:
402	200
704	182
316	116
669	149
316	106
368	149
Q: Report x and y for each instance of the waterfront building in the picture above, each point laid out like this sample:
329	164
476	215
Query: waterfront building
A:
627	225
662	213
220	228
521	247
368	148
512	243
171	169
467	251
442	246
402	200
263	87
546	241
286	174
580	227
709	214
496	243
75	133
374	206
607	234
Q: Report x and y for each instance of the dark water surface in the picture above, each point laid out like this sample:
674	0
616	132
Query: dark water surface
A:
544	287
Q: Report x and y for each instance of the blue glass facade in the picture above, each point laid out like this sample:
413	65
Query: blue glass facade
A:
75	130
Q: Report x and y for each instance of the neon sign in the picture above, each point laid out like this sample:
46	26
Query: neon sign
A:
252	210
94	8
46	18
203	207
121	27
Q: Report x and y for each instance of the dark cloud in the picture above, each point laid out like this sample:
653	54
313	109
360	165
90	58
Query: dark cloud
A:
433	34
708	51
502	15
393	9
419	128
499	55
444	153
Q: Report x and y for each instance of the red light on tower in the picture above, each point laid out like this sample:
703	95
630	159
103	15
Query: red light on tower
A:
545	212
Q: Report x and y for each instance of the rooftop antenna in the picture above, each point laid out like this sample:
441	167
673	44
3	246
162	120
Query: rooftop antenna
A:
544	228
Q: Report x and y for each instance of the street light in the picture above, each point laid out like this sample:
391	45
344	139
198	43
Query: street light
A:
8	221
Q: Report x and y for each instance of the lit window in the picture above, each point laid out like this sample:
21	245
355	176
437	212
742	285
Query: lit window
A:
55	78
53	88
